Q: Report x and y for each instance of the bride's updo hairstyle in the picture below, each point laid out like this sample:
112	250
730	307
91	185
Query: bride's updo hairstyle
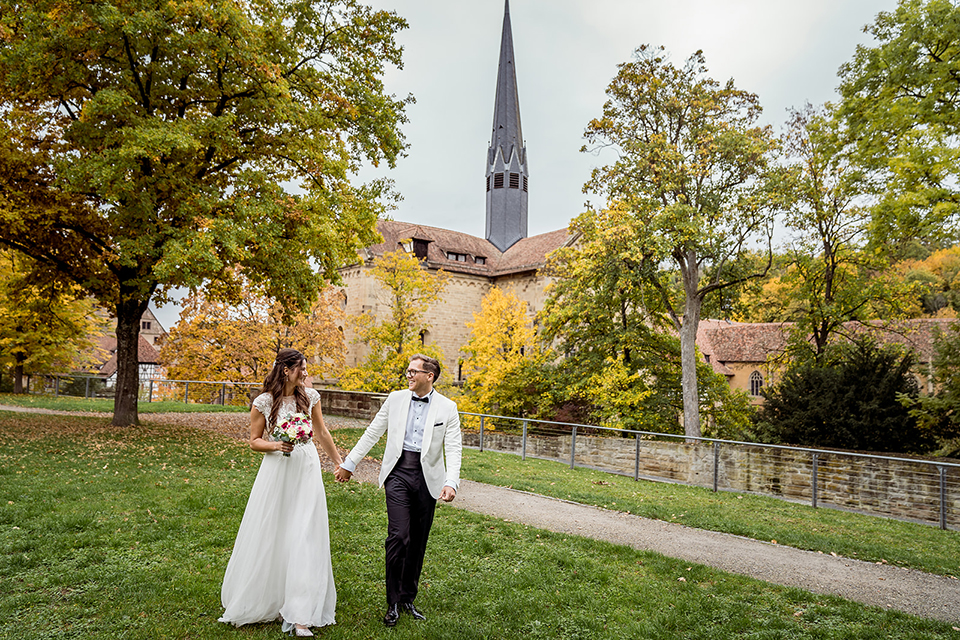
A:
286	359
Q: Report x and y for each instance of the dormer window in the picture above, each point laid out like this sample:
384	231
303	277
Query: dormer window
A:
480	260
456	257
420	248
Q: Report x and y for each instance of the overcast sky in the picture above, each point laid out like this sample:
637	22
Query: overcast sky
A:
567	51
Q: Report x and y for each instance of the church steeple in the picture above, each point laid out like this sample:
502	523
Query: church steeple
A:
507	156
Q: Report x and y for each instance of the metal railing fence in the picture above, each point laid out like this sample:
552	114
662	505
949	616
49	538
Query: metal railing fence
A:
221	392
898	487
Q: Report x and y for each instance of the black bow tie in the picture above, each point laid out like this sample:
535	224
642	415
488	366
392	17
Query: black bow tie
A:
416	399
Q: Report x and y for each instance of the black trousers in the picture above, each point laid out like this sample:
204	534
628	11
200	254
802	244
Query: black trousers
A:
410	509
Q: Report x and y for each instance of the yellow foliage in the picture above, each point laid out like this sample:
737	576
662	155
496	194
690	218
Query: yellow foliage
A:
218	341
502	339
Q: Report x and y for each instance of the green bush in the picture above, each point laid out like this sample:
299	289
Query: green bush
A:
848	398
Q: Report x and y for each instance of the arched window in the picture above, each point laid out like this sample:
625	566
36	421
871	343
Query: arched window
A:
756	383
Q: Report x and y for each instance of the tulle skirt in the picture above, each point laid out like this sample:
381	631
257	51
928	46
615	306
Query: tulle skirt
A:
280	565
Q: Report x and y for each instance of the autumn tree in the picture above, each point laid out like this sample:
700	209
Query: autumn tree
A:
46	326
938	282
407	289
833	278
620	361
215	340
692	170
502	341
900	99
146	146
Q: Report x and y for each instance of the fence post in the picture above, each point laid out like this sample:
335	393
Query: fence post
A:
716	465
813	495
223	394
186	393
573	446
150	391
86	389
56	386
523	449
481	433
636	460
943	497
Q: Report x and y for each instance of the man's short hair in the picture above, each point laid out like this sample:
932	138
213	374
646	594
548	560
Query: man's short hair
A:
429	364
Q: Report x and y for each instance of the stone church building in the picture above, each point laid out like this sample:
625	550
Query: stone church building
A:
505	258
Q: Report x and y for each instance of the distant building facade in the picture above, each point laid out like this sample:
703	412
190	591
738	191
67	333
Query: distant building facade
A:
151	330
474	266
152	335
746	353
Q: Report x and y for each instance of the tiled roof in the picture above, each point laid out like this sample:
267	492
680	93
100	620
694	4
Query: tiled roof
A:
527	254
916	334
726	341
722	341
531	253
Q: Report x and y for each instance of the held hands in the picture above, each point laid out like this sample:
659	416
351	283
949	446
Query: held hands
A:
448	494
285	447
342	474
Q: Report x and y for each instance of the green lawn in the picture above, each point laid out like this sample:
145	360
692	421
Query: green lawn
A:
69	403
124	533
759	517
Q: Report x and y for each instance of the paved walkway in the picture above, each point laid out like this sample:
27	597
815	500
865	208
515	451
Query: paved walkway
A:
907	590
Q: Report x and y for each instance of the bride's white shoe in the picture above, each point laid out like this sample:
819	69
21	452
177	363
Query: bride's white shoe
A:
301	632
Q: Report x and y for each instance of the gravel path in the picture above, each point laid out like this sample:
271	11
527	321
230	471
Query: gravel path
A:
907	590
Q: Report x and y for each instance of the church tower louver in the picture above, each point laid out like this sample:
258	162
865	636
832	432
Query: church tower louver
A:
507	156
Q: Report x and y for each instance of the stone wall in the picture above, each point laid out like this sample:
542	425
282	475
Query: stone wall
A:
901	489
352	404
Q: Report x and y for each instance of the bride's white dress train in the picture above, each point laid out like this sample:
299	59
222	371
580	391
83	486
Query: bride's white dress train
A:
280	565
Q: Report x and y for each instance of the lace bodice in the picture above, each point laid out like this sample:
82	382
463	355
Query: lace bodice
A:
288	406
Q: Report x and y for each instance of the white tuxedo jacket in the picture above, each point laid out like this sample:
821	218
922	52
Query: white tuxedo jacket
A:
441	434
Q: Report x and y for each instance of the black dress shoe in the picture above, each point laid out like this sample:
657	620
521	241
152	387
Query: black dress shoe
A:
393	614
412	610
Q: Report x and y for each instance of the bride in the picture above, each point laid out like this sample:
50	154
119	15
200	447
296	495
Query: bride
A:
280	565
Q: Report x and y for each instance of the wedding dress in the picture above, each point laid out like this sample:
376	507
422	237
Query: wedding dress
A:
280	565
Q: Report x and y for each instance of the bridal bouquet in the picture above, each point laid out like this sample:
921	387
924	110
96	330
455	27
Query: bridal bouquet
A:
295	429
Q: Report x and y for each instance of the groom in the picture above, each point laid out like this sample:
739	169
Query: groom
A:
421	426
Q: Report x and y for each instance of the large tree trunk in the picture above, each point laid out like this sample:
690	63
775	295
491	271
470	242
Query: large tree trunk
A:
688	364
688	350
128	362
18	376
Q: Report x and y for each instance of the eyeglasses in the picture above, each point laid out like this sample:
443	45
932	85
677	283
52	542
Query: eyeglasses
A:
412	372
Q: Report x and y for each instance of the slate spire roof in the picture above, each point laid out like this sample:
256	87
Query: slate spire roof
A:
507	172
507	137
